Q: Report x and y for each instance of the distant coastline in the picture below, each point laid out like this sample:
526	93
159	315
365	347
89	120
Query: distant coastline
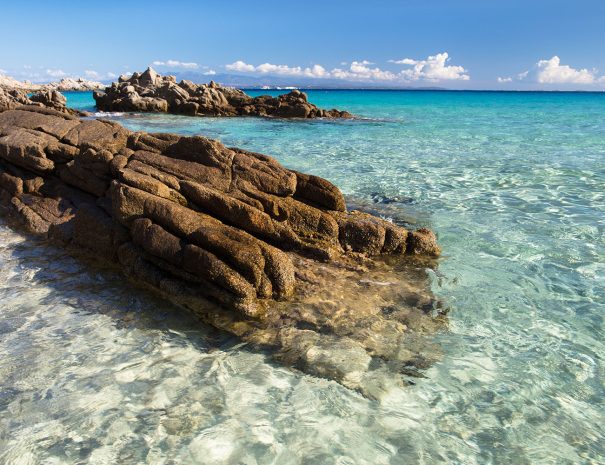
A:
424	89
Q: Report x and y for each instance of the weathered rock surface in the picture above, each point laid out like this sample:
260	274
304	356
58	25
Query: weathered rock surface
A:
150	92
13	98
258	250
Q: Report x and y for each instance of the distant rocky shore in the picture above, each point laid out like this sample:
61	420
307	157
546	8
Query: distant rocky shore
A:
64	85
150	92
203	224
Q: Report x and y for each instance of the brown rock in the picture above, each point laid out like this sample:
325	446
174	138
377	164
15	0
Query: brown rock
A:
150	92
226	233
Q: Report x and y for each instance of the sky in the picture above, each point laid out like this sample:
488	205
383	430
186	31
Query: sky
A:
466	44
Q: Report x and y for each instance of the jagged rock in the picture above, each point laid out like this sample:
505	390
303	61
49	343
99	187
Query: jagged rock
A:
268	254
71	85
150	92
11	98
64	85
50	98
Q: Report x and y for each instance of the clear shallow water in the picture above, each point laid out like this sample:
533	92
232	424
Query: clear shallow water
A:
92	371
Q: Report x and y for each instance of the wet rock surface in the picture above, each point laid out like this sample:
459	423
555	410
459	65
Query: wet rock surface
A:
268	254
150	92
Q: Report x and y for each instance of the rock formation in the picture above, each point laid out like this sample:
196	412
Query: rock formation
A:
150	92
14	98
73	85
64	85
268	254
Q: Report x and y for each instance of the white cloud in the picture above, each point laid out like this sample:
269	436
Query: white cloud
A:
56	73
281	70
434	68
239	65
506	79
360	71
91	74
210	73
176	64
553	72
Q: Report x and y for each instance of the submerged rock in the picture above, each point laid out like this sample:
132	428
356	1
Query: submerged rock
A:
268	254
150	92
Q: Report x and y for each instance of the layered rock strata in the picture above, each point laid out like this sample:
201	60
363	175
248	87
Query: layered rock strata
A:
266	253
150	92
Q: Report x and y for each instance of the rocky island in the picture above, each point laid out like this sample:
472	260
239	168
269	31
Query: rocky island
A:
150	92
232	235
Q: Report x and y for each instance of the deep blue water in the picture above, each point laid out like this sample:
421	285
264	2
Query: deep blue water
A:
514	186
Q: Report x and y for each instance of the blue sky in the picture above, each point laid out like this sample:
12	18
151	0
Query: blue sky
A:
532	44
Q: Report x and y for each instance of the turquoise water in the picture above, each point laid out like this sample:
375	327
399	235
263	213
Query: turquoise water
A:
513	183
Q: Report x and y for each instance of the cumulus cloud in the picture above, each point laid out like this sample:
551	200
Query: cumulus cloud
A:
506	79
210	72
434	68
553	72
91	74
241	66
281	70
361	71
56	73
176	64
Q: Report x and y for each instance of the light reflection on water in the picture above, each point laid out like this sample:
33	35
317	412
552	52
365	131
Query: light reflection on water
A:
92	371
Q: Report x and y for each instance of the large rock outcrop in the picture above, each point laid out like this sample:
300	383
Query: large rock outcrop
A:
150	92
12	98
266	253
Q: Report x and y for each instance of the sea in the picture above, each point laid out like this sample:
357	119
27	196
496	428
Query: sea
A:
96	371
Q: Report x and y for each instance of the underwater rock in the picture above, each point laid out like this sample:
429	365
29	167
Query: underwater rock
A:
268	254
150	92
